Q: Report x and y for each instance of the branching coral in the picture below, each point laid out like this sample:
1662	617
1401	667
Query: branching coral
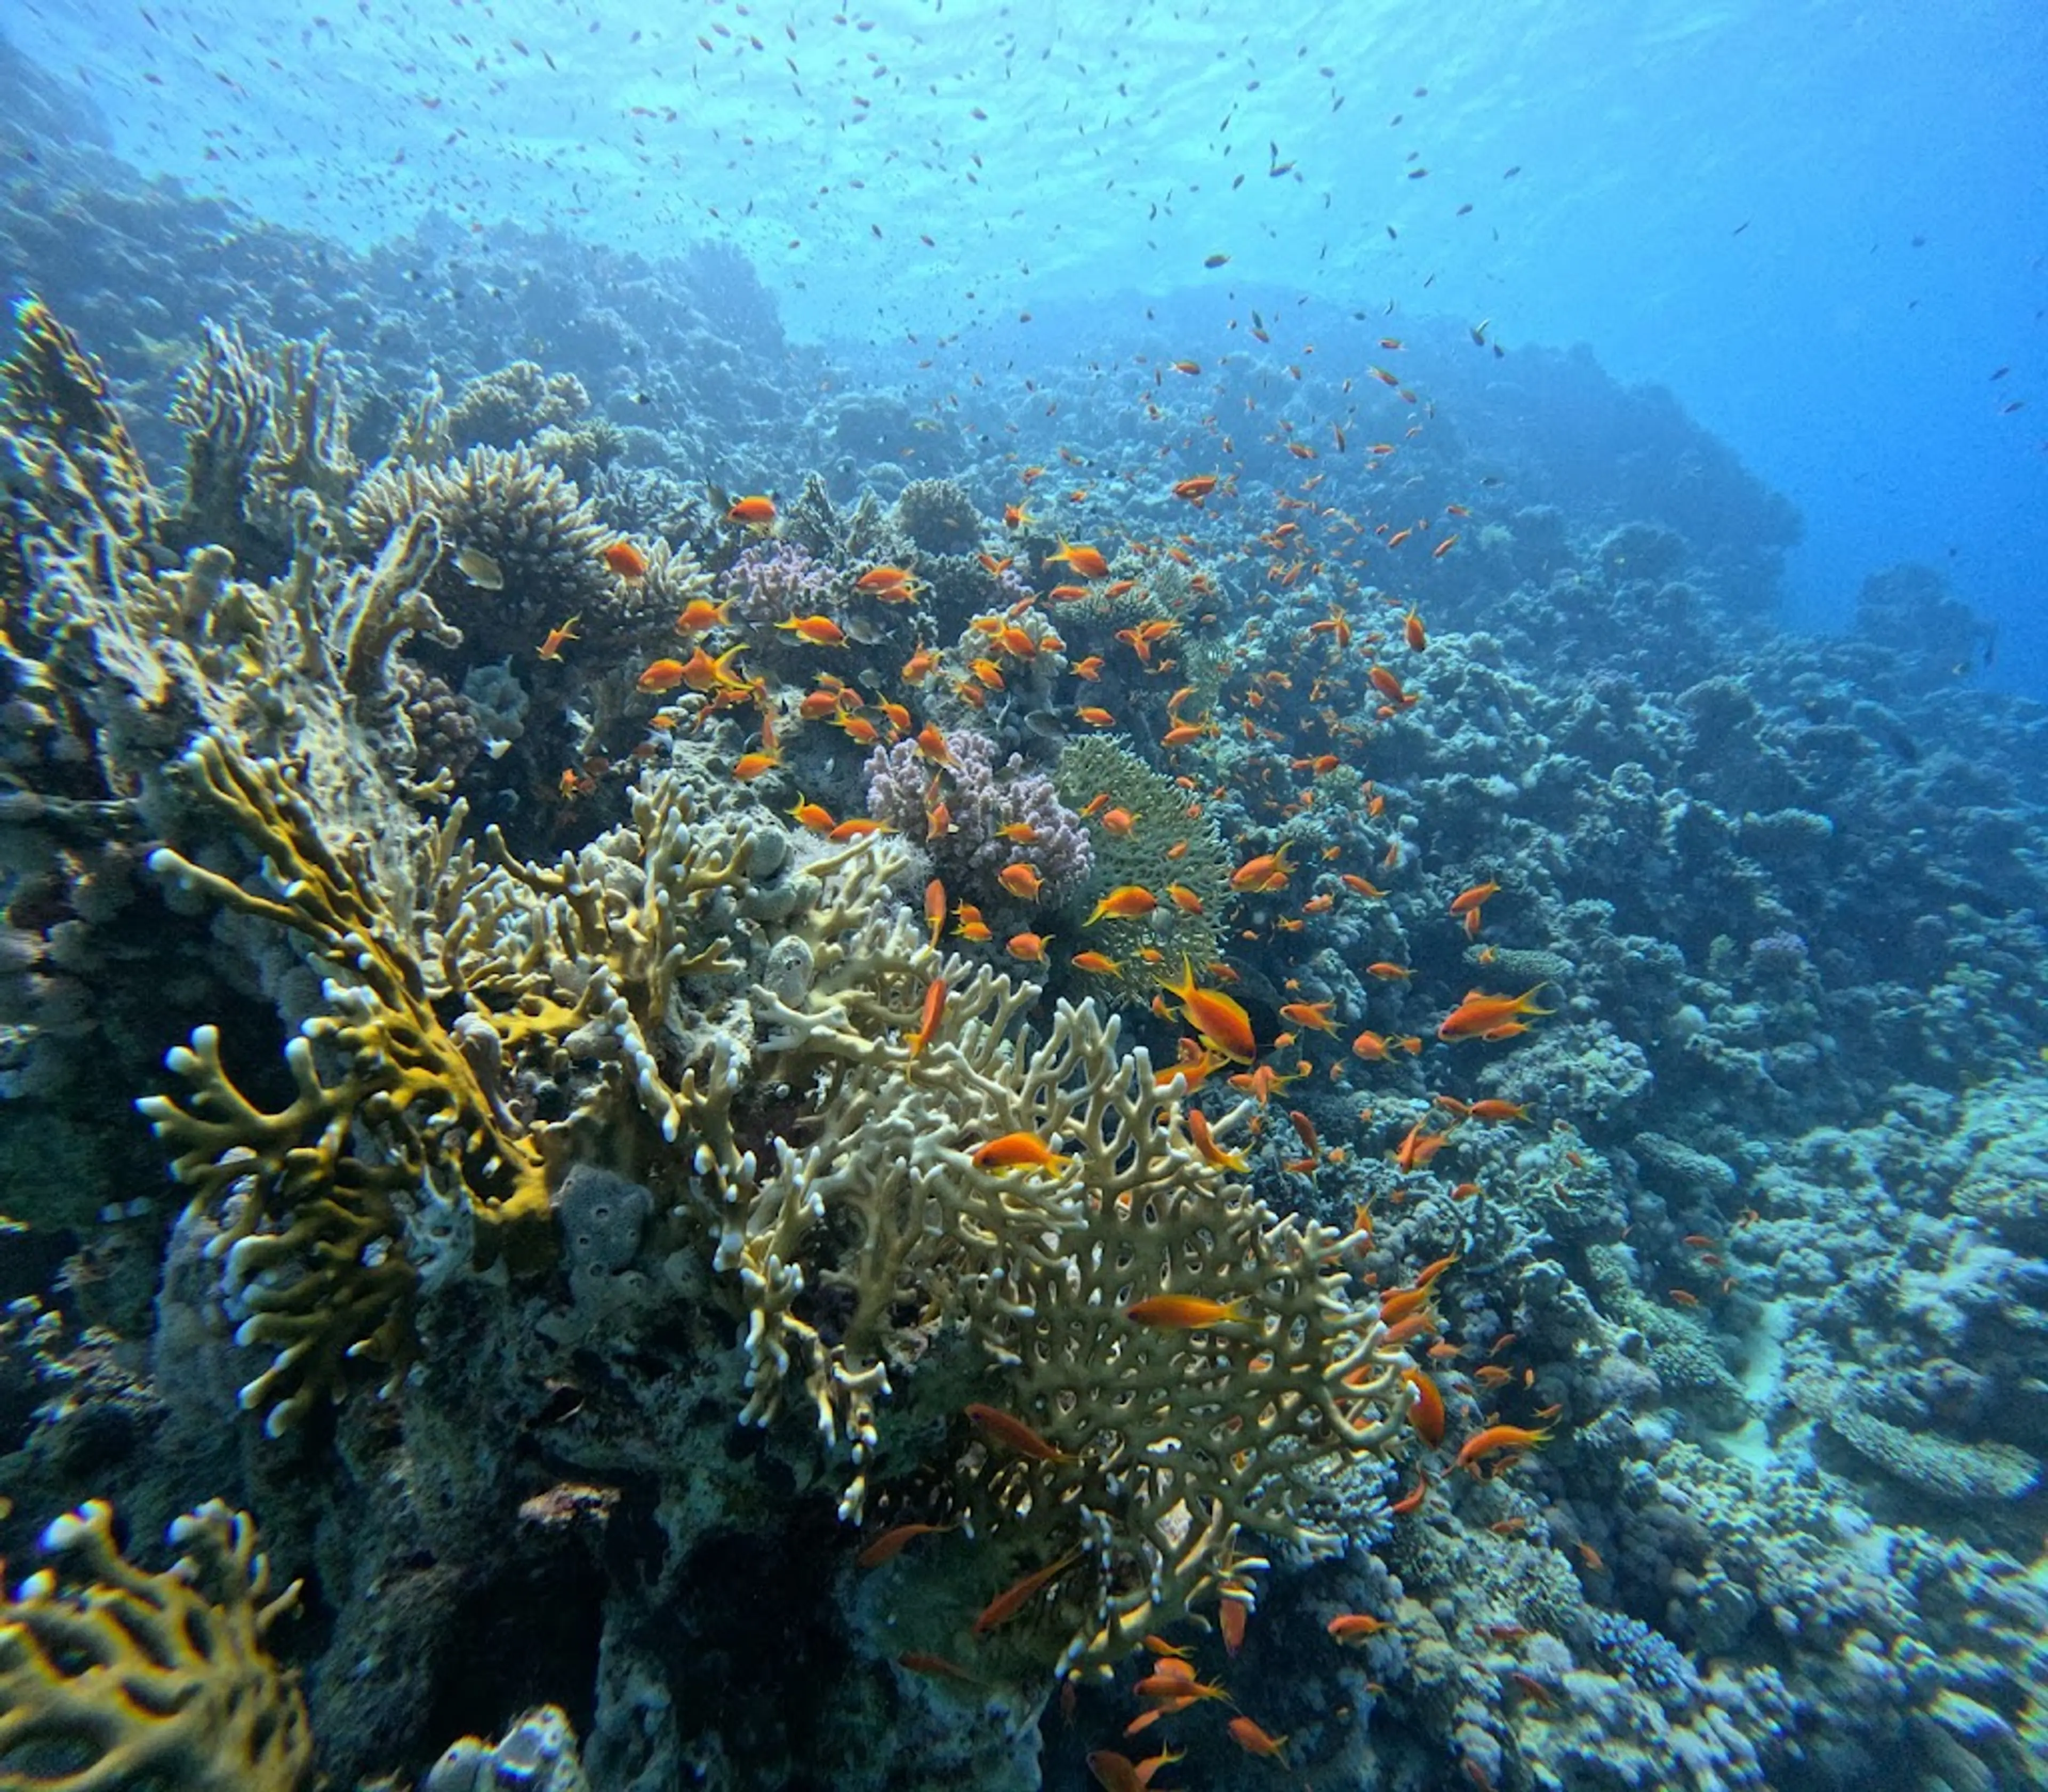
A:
1175	1439
513	403
259	431
770	580
940	516
615	953
983	797
314	1220
516	510
522	554
884	1230
303	666
68	455
125	1679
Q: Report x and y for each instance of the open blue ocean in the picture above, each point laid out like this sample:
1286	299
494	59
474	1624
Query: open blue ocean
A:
1023	896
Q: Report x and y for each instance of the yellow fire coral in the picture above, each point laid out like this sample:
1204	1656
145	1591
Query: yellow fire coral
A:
310	1226
119	1678
888	1227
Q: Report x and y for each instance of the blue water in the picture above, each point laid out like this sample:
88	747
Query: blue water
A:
1822	226
1689	320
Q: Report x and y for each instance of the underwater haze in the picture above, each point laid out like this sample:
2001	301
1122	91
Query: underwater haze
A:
1023	896
1822	226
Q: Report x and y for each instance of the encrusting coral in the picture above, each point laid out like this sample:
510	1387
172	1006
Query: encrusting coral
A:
115	1678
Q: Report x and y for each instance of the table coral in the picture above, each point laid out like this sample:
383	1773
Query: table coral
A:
121	1678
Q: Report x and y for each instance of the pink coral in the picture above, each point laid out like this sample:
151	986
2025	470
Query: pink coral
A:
982	797
773	580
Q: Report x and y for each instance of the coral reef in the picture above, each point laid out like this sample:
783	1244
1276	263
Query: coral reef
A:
309	1233
118	1678
982	797
538	1751
841	1340
939	517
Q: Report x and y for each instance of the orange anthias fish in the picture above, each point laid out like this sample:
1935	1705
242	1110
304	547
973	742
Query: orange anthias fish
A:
624	559
1264	874
886	580
935	996
1426	1412
893	1542
1022	880
1497	1437
1096	965
1018	1150
1172	1688
1494	1111
1220	1021
931	745
1353	1627
1232	1615
1128	901
1315	1015
1469	899
1013	1434
1184	1312
756	510
1030	948
1389	687
1417	1147
1089	562
663	675
558	638
1481	1016
1196	489
1253	1740
821	631
1198	1130
1261	1080
935	908
700	614
1011	1600
1114	1772
702	672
